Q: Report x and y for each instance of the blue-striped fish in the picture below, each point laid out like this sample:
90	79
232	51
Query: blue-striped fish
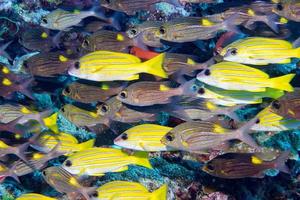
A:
97	161
260	51
145	137
33	196
121	190
235	76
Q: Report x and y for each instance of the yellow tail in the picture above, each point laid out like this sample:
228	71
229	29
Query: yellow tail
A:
154	66
86	145
141	158
160	193
283	82
50	122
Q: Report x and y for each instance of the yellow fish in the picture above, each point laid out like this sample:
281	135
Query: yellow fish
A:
97	161
67	143
33	196
145	137
111	66
260	51
235	76
270	121
120	190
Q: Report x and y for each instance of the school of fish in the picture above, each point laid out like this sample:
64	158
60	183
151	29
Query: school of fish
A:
116	75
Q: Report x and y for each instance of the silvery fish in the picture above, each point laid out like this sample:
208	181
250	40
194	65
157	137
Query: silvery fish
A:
107	40
130	7
80	117
190	29
241	165
90	93
288	9
47	64
287	106
146	33
62	20
203	135
64	182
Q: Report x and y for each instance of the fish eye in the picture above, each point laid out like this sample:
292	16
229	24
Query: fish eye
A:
77	65
194	88
44	173
44	20
207	72
276	104
162	30
25	64
169	137
124	136
233	51
86	43
104	108
67	90
210	167
133	31
257	121
68	163
123	95
63	109
201	91
279	7
95	194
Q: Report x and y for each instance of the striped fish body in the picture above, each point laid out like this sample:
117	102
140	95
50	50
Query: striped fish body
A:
130	7
111	66
97	161
121	190
147	93
60	19
64	182
260	51
79	117
90	94
34	196
110	189
241	165
288	106
269	121
66	143
47	64
145	137
107	40
196	136
235	76
188	29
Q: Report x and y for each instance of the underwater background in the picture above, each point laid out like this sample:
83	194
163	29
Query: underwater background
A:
180	170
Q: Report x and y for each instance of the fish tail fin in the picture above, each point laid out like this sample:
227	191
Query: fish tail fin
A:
51	122
26	89
20	151
141	158
98	12
3	52
86	145
160	193
175	3
274	93
230	25
114	21
87	191
12	173
243	133
283	82
155	66
280	162
271	22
